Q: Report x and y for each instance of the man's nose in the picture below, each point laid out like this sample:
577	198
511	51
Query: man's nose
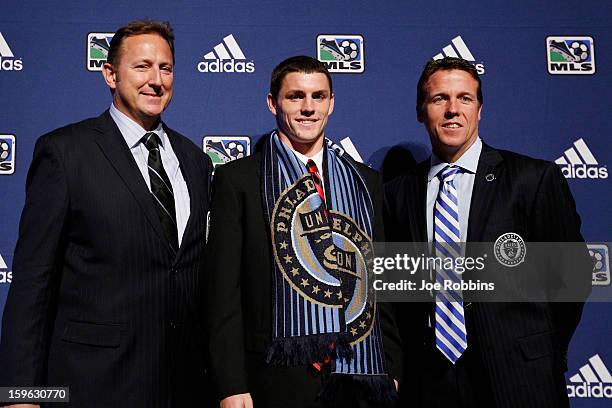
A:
307	105
155	77
451	109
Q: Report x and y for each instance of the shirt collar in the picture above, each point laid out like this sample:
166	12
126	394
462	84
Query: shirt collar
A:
132	132
468	160
317	158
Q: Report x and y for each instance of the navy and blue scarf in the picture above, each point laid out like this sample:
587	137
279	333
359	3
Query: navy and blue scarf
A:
323	301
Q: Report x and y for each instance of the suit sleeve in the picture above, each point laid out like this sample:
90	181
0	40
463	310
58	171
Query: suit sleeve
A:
409	316
391	339
31	303
224	300
392	229
555	220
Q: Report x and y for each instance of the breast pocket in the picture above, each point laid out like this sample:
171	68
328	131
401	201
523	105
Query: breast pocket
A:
93	334
497	227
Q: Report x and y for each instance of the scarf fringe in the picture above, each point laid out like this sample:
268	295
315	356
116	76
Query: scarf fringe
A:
304	350
378	389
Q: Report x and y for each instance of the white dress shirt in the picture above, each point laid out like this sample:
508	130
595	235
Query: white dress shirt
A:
133	133
318	159
464	183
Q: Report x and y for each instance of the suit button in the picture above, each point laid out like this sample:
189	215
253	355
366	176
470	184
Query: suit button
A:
173	271
172	325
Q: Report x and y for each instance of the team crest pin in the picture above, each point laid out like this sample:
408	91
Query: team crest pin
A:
510	249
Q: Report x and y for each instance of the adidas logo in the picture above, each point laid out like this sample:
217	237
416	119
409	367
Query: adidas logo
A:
5	277
349	147
226	56
460	50
5	50
7	58
578	162
593	379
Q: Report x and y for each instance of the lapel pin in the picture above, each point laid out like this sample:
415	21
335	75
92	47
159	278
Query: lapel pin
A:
490	177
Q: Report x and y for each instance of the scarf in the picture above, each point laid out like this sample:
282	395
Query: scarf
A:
324	305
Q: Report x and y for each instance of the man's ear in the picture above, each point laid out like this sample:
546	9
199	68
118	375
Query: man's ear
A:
331	104
419	113
271	104
110	75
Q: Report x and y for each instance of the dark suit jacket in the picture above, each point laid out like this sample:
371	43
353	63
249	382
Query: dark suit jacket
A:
98	302
522	345
240	286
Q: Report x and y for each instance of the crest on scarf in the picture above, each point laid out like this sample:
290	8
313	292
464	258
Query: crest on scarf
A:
324	255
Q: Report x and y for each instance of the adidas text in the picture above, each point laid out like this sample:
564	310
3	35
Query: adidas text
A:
587	390
226	66
6	277
583	171
11	64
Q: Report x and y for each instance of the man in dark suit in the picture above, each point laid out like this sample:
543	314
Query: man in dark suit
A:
481	354
108	267
291	316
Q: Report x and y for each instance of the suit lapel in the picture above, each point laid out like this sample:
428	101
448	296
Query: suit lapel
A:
113	146
486	182
419	214
418	204
190	174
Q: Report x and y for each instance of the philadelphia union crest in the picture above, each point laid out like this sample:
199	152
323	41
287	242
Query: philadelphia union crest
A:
510	249
324	255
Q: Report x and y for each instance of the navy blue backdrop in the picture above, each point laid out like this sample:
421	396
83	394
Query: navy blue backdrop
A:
545	69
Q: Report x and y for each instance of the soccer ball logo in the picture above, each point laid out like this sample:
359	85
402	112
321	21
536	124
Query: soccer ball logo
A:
597	258
350	49
224	149
5	150
236	150
580	51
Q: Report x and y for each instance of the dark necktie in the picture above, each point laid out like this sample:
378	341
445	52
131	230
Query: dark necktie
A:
316	177
161	189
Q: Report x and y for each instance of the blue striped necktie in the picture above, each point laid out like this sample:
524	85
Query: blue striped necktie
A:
451	335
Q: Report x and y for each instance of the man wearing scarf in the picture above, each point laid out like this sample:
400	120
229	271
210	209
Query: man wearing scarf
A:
292	316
